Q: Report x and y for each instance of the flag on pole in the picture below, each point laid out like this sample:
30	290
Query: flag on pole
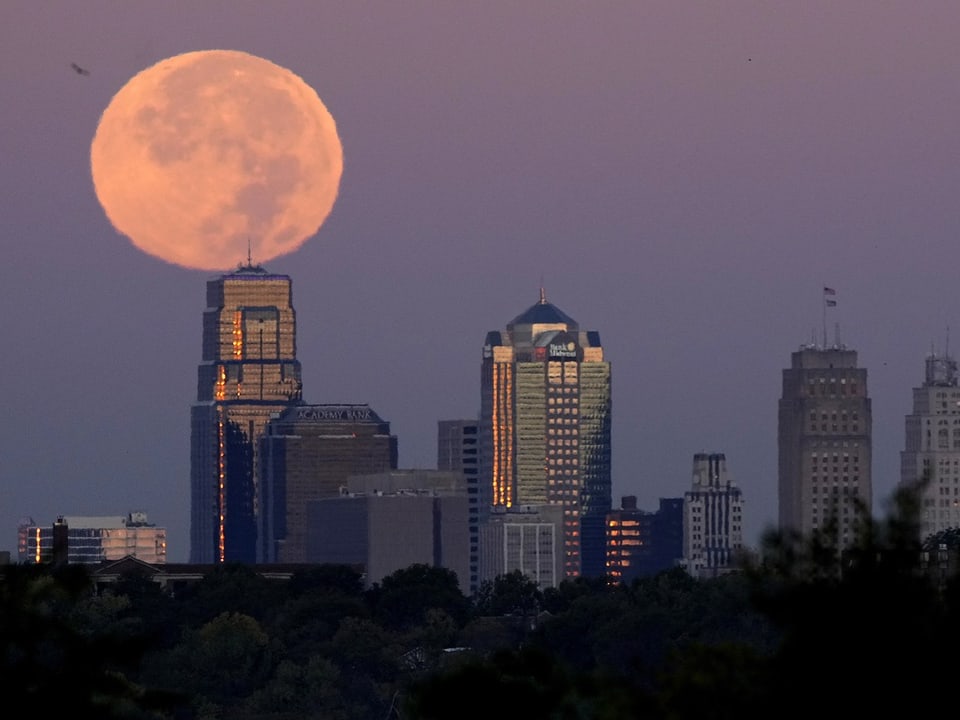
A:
829	291
831	303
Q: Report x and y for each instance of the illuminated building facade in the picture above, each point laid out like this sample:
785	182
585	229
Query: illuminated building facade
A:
712	518
642	543
91	540
545	424
458	450
931	458
824	439
249	372
307	453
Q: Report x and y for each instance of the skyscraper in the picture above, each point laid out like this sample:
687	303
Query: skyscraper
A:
307	453
824	440
545	424
249	371
931	457
712	518
458	451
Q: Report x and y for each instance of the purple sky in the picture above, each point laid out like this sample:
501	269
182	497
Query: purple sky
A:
683	177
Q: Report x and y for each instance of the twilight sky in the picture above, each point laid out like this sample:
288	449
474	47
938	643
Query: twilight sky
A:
681	177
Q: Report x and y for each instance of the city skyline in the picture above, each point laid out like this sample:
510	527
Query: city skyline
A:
685	179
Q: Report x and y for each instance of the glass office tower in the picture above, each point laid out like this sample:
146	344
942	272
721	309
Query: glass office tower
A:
545	425
249	372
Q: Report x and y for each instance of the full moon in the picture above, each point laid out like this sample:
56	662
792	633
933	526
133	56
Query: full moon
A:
210	155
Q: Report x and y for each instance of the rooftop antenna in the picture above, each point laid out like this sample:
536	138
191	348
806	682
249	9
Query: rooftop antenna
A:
946	348
249	256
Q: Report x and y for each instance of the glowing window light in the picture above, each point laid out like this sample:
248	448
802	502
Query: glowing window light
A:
221	490
220	391
238	334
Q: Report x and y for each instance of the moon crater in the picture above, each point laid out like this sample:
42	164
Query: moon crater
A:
206	152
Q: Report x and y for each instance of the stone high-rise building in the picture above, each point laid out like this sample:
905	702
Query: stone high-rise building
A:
824	439
249	372
931	458
545	425
712	518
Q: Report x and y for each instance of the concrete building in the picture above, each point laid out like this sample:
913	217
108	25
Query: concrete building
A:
640	543
458	450
248	373
930	460
307	453
824	441
525	538
712	518
545	425
80	540
388	521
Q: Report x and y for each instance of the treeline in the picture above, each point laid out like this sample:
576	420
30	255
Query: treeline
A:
800	631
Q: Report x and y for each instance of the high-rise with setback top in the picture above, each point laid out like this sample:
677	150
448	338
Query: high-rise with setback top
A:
545	426
824	440
930	461
249	371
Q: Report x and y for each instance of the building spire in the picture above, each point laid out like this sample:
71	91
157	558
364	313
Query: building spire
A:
543	296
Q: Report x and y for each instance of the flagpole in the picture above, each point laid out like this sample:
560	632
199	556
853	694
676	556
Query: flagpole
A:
827	302
824	303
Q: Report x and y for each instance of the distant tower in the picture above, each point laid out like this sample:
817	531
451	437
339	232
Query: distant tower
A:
458	450
545	425
932	452
249	372
824	439
712	518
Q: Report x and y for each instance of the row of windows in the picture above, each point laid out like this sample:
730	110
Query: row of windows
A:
833	416
834	428
856	479
833	389
835	444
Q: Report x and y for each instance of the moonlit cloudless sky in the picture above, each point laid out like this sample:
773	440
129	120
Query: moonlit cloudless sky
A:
681	177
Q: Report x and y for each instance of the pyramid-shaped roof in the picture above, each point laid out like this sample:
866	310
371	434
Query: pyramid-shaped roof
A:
543	313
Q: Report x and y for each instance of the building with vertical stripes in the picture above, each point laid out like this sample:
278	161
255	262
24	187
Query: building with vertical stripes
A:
712	518
930	461
527	539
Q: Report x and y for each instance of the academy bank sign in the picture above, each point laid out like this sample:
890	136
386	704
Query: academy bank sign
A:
336	413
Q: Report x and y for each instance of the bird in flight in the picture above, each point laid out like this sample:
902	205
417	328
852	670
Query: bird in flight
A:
79	70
